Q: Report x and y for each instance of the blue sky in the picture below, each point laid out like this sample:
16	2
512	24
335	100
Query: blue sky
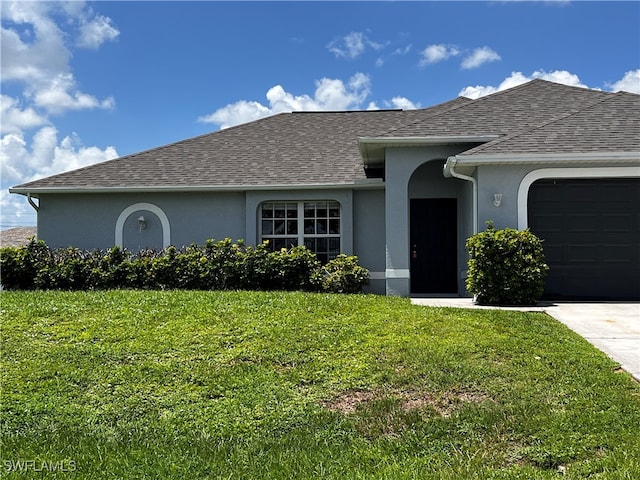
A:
84	82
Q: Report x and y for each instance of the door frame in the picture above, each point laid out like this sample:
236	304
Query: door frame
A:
450	282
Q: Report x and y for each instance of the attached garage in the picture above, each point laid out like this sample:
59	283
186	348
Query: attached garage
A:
591	233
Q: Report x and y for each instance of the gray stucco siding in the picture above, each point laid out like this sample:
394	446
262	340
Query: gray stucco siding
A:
368	235
197	217
505	180
89	220
83	221
510	181
401	164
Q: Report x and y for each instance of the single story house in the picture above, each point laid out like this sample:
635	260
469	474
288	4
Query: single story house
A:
402	190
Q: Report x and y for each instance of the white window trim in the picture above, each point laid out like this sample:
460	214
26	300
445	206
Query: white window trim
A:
300	219
593	172
150	207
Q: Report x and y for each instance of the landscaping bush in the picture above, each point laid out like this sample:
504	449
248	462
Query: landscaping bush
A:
342	275
506	267
25	268
222	265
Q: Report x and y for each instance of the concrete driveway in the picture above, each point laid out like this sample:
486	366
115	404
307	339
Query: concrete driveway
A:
612	327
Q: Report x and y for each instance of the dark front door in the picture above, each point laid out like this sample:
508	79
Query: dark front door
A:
433	248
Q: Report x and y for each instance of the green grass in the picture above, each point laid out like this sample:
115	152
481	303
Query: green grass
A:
240	385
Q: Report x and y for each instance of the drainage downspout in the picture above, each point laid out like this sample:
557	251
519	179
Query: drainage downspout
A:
449	171
32	203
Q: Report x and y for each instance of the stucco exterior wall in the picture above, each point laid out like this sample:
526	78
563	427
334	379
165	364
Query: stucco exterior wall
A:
89	220
400	165
368	235
503	179
511	182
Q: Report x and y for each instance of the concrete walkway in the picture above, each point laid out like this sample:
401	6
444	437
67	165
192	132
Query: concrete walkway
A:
612	327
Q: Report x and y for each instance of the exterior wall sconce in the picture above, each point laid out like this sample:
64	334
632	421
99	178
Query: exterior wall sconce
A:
142	223
497	199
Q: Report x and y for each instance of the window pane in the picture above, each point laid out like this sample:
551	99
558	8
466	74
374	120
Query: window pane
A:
278	228
321	244
309	210
280	243
267	210
321	227
321	211
292	210
309	226
334	210
279	210
267	227
334	245
334	226
292	227
310	243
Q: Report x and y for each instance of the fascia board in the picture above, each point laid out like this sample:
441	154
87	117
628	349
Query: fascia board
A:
370	146
545	158
428	140
359	184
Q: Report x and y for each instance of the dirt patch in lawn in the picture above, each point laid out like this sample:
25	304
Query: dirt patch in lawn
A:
444	403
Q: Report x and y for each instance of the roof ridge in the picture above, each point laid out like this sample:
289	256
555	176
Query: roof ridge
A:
433	107
378	110
473	101
551	121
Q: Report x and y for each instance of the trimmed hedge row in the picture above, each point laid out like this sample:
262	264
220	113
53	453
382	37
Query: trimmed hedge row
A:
221	265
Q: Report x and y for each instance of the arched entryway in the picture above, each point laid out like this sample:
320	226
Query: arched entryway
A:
434	230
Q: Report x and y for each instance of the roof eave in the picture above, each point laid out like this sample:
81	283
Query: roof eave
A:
357	184
372	148
475	160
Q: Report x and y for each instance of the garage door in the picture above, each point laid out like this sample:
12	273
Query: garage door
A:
591	233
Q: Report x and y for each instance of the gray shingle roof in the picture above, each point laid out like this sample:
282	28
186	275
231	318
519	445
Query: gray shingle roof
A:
321	148
612	124
299	148
509	111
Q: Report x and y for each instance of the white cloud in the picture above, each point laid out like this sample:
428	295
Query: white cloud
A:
16	212
36	57
437	53
330	94
45	155
15	119
479	57
518	78
349	46
95	32
630	82
404	103
59	96
402	51
40	60
353	45
37	40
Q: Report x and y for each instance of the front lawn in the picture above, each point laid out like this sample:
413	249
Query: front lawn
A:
243	385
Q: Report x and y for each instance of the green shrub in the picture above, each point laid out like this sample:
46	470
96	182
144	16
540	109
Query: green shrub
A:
222	265
341	275
291	269
71	270
27	267
506	267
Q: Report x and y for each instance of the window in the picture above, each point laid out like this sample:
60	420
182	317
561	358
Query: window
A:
316	225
